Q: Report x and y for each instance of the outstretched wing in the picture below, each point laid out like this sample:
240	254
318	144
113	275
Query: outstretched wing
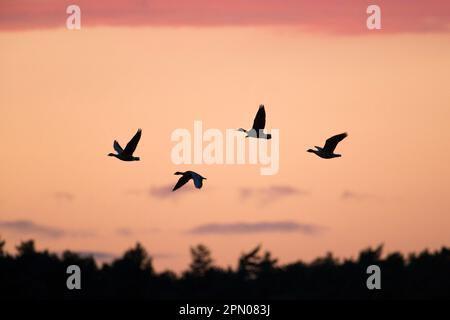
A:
131	146
117	147
260	119
332	142
181	182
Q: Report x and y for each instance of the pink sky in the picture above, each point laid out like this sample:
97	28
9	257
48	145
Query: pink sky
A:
326	16
66	95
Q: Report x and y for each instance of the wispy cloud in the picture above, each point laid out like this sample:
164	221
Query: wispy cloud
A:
324	16
64	196
162	191
270	194
28	227
354	195
256	227
127	232
165	191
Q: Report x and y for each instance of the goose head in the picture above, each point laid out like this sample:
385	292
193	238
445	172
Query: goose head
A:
241	130
112	154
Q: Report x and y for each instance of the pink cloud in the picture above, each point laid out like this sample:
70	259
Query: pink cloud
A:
337	16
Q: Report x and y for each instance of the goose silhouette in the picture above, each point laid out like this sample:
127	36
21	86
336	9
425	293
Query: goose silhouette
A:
127	153
186	176
257	131
327	152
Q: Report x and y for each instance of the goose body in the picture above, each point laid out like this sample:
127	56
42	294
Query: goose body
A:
257	130
186	176
127	153
327	152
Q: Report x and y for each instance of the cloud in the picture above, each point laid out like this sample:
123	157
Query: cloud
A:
255	227
318	16
65	196
28	227
269	194
163	192
352	195
126	232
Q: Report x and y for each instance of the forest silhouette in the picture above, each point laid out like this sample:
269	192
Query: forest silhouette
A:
32	274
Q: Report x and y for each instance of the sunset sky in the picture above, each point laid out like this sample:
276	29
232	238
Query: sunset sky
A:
65	95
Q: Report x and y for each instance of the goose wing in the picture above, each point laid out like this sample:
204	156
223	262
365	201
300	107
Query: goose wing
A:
332	142
117	147
260	119
182	181
131	146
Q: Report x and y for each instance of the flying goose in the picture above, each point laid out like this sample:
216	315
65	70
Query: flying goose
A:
257	131
327	152
186	176
127	153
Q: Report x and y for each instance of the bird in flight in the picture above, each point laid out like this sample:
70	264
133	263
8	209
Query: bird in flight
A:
327	152
127	153
257	131
186	176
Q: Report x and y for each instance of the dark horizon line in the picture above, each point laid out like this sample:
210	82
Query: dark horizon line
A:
112	257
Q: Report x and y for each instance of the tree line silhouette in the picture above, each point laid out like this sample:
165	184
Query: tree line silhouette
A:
32	274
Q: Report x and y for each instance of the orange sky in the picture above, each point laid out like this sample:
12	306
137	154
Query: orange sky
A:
66	95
